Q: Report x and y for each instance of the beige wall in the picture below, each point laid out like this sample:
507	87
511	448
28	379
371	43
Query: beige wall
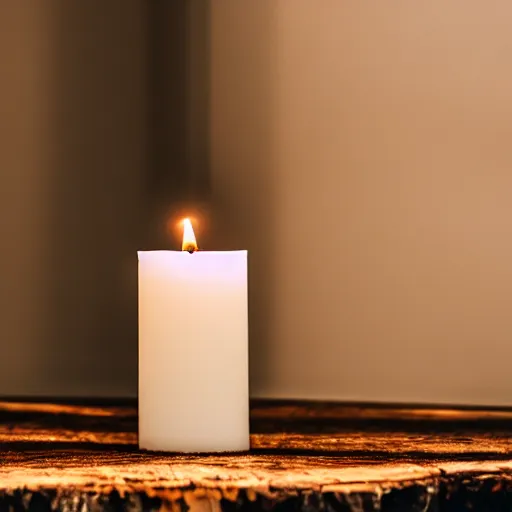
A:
72	188
361	151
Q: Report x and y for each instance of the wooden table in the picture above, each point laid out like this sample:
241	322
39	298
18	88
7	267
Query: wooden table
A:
305	457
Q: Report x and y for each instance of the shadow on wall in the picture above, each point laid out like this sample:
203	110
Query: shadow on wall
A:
244	166
103	146
98	120
116	123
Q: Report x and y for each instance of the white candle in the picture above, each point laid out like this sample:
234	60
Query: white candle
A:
193	350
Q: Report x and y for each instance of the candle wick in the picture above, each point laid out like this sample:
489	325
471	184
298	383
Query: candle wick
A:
190	248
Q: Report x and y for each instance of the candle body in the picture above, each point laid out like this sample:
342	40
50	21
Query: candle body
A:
193	351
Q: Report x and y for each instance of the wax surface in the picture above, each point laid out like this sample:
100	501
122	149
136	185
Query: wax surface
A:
193	351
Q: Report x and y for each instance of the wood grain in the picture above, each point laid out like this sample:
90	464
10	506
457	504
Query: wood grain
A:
303	457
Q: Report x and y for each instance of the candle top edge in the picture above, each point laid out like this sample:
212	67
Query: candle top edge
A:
163	251
196	254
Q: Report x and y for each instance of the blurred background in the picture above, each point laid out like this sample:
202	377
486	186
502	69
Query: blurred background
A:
360	152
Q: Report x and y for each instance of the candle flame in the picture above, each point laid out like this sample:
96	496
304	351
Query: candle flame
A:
189	239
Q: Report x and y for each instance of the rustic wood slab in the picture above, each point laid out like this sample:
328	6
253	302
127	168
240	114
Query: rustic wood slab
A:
303	457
